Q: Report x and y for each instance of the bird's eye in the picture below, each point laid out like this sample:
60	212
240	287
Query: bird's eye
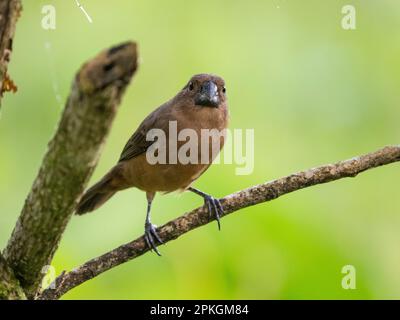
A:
224	90
191	86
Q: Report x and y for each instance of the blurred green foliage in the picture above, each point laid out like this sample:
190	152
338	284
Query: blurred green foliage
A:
313	92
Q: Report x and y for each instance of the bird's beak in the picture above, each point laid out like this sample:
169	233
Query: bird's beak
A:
208	95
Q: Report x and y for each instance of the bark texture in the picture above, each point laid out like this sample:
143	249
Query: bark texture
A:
198	217
69	162
9	13
10	288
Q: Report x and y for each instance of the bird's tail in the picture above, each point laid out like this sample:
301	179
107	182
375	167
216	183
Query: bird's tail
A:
95	196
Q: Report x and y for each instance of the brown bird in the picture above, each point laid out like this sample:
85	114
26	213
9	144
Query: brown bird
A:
200	105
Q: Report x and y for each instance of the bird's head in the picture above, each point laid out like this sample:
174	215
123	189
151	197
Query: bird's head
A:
206	90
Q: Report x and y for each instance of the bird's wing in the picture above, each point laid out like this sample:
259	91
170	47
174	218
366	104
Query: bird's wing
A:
138	144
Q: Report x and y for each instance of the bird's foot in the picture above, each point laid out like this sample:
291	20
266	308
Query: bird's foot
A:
214	207
151	236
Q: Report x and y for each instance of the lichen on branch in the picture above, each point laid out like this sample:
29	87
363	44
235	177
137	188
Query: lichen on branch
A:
198	217
69	162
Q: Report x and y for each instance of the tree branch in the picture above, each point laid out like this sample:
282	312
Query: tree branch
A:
69	162
199	217
9	13
10	288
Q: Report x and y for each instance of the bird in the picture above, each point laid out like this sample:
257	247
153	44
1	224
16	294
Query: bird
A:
200	105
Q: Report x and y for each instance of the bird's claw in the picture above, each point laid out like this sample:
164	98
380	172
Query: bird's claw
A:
150	235
214	207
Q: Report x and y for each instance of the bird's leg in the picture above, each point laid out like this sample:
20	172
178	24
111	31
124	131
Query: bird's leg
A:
213	205
150	232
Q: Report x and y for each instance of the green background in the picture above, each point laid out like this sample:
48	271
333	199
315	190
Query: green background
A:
313	92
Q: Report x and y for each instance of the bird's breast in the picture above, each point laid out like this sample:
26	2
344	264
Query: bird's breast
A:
193	139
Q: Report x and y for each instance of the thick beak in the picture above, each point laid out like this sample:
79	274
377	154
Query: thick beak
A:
208	95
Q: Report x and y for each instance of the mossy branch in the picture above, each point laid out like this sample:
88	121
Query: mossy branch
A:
69	162
10	288
9	12
200	216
